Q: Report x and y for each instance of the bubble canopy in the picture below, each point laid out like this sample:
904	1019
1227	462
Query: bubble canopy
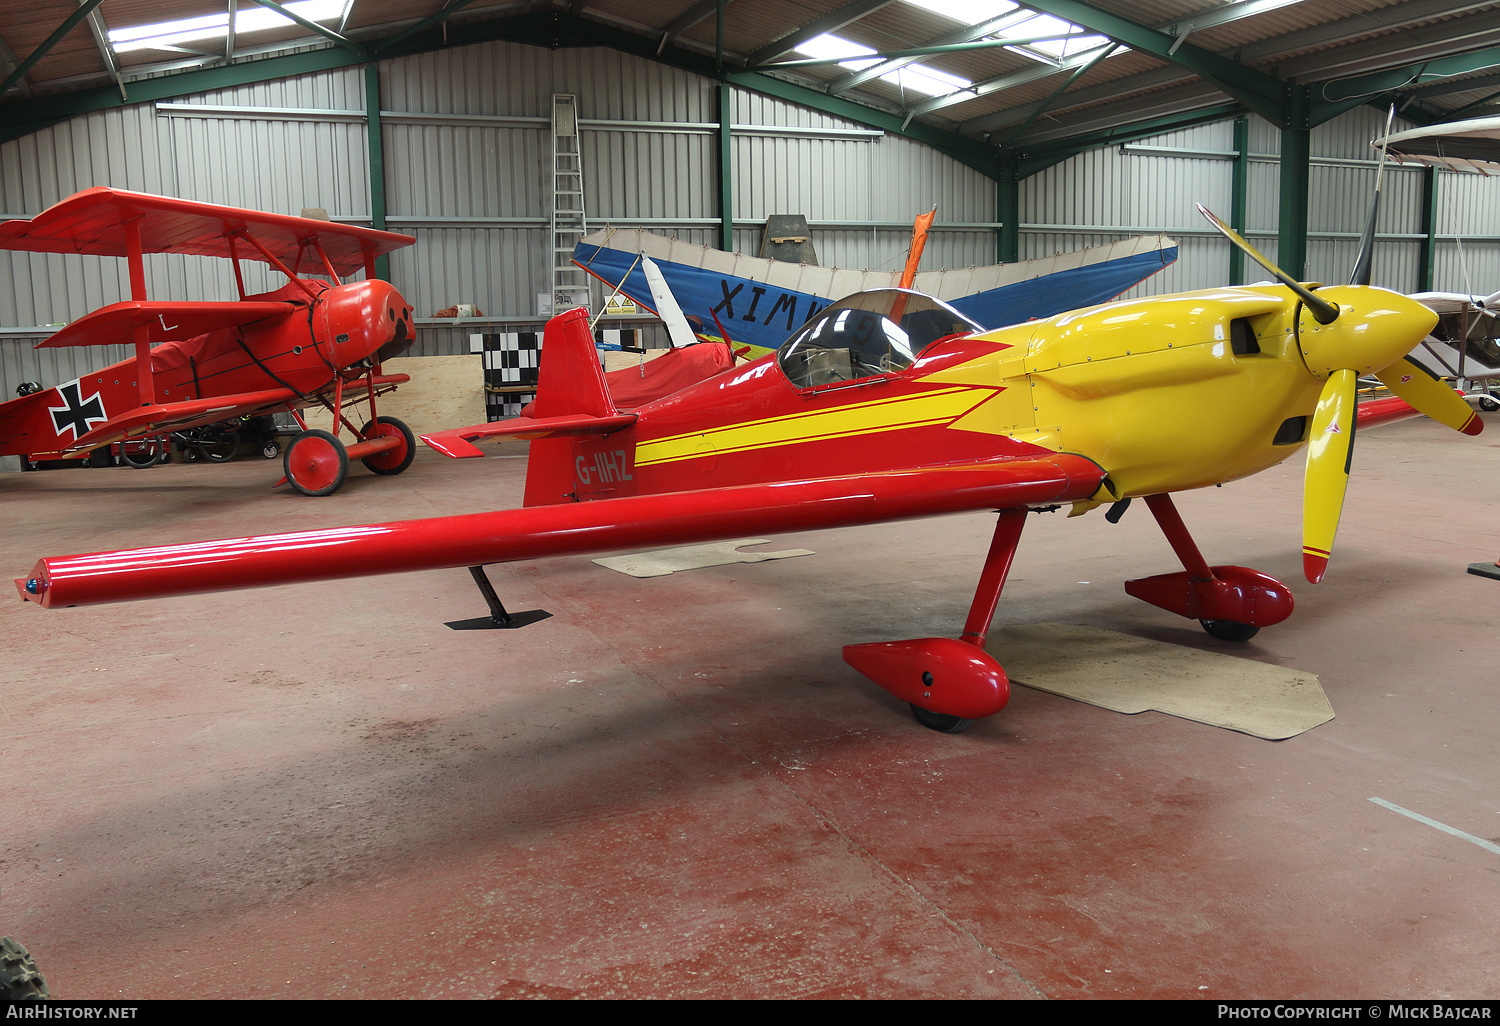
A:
868	335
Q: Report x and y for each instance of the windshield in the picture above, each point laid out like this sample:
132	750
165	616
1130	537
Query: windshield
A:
866	335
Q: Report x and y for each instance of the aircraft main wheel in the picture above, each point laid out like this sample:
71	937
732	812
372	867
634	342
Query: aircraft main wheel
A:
218	444
143	452
316	463
392	461
19	978
1488	404
940	722
270	451
1229	630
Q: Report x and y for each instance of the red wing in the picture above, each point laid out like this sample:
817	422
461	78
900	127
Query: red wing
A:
1386	410
164	321
458	442
569	528
92	222
163	417
160	418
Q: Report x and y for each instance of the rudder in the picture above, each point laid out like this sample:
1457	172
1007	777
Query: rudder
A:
570	380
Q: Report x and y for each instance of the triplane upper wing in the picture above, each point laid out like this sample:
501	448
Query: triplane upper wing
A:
99	222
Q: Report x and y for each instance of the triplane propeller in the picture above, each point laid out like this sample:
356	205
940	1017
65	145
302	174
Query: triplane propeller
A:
311	342
888	406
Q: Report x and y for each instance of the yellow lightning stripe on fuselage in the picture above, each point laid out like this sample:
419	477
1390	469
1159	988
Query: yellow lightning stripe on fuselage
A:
894	414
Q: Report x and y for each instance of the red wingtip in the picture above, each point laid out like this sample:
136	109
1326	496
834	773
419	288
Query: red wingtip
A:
1473	426
1314	567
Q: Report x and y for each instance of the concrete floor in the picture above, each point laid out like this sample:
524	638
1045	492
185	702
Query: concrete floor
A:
676	788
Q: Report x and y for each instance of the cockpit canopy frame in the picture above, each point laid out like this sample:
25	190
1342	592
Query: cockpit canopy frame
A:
869	336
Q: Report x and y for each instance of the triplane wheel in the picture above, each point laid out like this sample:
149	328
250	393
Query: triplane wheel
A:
316	463
940	722
1229	630
392	461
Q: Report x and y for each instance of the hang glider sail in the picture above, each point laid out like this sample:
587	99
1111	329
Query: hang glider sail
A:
1472	145
760	302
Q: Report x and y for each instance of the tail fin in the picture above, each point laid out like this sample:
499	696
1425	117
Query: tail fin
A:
570	380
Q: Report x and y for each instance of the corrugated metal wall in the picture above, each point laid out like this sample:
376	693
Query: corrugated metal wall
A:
466	157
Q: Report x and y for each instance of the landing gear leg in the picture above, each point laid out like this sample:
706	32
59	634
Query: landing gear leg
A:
1231	602
950	682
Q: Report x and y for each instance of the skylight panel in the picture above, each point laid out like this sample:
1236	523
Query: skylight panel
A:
1052	51
828	47
166	35
914	78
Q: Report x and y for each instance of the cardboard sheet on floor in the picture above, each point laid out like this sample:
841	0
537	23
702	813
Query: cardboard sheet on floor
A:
661	562
1131	675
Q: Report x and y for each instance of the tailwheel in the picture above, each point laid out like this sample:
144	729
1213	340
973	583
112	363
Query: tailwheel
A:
1229	630
391	461
940	722
316	463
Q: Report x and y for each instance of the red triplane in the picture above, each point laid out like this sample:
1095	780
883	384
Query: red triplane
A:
311	342
888	406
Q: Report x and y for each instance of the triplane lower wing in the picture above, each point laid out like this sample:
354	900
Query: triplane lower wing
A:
311	342
890	405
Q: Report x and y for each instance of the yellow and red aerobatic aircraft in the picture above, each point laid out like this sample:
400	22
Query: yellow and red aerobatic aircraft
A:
888	406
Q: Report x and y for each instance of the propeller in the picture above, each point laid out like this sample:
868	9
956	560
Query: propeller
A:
1362	264
1358	330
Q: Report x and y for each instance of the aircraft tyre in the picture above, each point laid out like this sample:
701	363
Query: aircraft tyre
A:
316	463
940	722
1229	630
392	461
19	978
148	454
270	451
1488	404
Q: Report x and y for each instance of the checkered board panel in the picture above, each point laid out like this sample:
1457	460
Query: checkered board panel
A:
510	364
511	361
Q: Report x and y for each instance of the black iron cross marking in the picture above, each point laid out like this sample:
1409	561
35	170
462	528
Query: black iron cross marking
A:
77	415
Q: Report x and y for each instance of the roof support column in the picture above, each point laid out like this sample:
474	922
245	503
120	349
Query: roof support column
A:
1239	188
1428	257
1296	158
1008	209
376	161
726	168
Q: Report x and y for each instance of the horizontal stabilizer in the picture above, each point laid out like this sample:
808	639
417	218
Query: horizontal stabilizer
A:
459	442
164	322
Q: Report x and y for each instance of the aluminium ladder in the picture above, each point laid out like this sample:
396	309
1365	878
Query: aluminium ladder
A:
570	284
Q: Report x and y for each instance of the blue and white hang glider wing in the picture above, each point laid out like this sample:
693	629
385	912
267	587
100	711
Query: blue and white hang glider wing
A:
760	302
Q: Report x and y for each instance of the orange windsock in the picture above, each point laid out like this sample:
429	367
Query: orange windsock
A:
918	240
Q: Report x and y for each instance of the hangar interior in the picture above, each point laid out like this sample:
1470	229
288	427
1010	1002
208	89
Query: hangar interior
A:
675	787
